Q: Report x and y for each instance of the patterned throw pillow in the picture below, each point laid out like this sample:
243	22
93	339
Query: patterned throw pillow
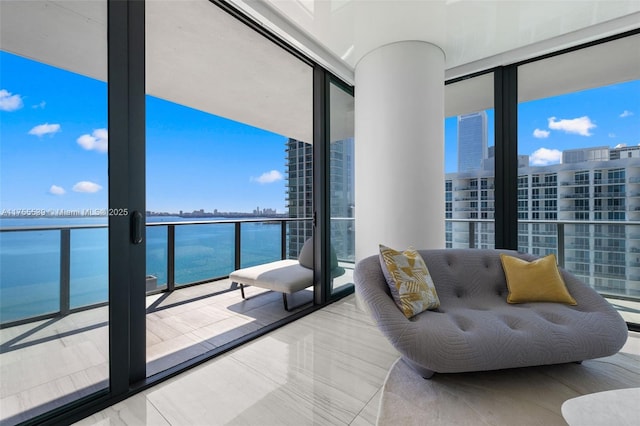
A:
409	280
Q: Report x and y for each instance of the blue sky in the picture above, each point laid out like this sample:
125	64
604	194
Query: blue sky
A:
604	116
54	149
53	143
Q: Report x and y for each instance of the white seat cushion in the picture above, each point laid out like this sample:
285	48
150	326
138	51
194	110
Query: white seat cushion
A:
285	276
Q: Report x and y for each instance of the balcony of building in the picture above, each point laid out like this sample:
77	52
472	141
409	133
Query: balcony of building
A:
56	348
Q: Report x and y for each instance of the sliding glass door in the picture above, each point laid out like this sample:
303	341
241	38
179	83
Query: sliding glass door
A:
229	177
341	195
97	230
470	163
54	199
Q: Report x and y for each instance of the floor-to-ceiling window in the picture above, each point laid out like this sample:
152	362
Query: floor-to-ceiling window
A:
469	163
229	118
341	186
578	128
229	175
576	163
54	280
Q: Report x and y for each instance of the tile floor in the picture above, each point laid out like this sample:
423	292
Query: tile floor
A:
326	368
49	363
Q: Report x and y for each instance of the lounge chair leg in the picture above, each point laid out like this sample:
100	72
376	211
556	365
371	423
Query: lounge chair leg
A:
242	290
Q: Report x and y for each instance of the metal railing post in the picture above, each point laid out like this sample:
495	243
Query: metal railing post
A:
283	239
238	255
472	234
65	271
560	236
171	257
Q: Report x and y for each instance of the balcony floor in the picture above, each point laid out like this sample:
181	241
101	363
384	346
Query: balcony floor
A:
48	363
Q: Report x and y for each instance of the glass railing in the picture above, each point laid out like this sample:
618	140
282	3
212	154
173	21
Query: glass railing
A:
47	271
51	270
608	262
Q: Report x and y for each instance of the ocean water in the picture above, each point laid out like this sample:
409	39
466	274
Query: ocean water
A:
30	260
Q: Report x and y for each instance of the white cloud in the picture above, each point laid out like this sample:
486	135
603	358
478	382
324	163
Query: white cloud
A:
57	190
545	156
41	105
86	186
580	126
45	129
98	140
9	102
541	134
612	135
268	177
626	113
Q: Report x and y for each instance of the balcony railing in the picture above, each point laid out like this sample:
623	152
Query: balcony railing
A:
609	181
63	297
466	234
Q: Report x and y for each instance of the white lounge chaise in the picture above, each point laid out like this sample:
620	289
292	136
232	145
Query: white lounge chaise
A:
285	276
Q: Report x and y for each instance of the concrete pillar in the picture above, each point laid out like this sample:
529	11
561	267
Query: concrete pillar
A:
399	148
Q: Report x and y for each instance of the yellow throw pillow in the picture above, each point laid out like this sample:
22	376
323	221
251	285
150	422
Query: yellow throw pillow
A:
409	280
536	281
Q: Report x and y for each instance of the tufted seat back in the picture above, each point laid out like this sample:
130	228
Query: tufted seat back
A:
464	276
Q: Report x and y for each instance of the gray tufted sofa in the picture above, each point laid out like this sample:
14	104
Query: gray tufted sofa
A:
475	329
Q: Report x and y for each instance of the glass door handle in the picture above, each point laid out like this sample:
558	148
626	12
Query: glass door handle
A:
137	225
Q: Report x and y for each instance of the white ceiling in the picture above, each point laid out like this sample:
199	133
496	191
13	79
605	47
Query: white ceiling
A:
199	56
196	55
71	35
474	34
600	65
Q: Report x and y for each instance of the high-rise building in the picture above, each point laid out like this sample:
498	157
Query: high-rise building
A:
299	172
472	141
585	203
341	196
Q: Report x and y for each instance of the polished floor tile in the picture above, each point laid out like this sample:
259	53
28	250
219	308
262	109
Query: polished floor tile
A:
328	367
324	369
521	396
48	363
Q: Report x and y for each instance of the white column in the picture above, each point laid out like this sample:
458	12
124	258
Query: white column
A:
399	148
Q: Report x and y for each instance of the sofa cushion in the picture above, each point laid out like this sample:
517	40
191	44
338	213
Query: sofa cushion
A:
535	281
409	280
